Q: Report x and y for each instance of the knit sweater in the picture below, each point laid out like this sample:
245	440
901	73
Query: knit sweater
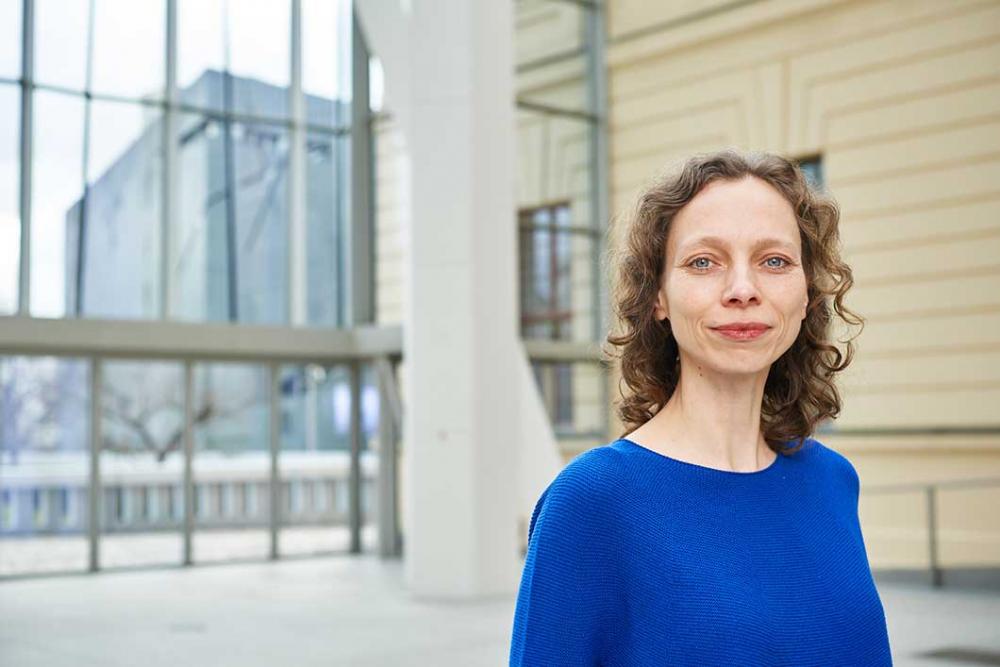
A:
636	558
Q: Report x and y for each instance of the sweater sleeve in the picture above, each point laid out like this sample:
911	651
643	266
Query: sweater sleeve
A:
564	610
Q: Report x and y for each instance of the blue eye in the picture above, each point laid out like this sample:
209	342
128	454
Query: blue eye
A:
780	259
698	259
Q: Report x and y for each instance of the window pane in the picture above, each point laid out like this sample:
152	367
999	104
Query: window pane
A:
232	462
61	42
326	61
200	53
142	496
199	273
10	39
549	43
57	190
315	457
10	177
44	464
121	231
327	201
257	34
129	47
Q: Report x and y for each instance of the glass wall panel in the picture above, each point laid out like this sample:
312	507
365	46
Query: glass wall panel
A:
44	464
315	458
129	48
231	463
142	463
10	39
61	42
201	56
119	239
198	258
10	178
557	276
326	61
327	217
56	193
550	52
574	397
251	44
260	221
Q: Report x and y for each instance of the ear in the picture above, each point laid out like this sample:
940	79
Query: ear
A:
660	310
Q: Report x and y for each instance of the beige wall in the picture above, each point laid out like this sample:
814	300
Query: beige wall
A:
902	99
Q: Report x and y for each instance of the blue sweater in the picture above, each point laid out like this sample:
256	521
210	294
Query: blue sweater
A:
635	558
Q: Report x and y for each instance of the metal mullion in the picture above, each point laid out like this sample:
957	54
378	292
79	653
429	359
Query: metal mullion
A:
170	209
556	111
274	447
81	245
354	474
188	445
98	96
598	101
297	311
94	497
389	542
359	257
27	97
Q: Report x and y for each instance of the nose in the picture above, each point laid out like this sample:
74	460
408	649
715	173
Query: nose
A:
741	289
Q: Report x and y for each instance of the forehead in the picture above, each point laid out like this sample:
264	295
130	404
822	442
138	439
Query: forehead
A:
738	213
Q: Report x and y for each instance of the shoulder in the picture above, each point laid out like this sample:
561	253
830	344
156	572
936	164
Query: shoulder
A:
834	465
584	490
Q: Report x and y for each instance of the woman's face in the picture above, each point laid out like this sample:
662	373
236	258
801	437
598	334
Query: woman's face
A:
733	255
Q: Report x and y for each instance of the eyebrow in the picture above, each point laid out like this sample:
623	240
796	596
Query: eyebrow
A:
721	242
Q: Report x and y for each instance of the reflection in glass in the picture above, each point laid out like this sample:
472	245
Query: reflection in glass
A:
10	39
61	42
115	272
129	48
10	218
260	222
56	189
229	254
327	172
44	464
573	397
142	495
315	458
231	462
197	260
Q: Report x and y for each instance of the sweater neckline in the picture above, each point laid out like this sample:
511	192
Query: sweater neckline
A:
705	469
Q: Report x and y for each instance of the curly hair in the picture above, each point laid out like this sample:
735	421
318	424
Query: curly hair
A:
799	391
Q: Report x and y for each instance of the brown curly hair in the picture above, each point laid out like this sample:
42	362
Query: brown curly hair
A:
799	392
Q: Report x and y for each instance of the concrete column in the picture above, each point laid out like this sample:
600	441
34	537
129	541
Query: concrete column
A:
449	78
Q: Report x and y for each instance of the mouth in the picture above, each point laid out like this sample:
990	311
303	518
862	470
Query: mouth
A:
742	331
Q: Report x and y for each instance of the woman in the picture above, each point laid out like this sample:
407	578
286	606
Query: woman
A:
716	531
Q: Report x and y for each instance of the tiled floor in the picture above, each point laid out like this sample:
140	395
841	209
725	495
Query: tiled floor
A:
344	611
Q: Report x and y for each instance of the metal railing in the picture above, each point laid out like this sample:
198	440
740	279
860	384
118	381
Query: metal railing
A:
930	491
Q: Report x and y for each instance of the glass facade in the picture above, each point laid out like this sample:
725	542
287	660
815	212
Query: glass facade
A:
199	175
561	209
175	174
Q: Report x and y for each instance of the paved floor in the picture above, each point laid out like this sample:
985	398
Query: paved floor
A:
344	611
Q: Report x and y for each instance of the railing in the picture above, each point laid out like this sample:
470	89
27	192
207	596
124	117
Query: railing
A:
930	491
312	492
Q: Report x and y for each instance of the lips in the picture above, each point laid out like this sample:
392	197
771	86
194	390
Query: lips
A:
743	326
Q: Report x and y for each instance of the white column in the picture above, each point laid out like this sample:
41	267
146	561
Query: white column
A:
450	81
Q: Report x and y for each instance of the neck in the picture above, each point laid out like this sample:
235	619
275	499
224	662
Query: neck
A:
714	419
